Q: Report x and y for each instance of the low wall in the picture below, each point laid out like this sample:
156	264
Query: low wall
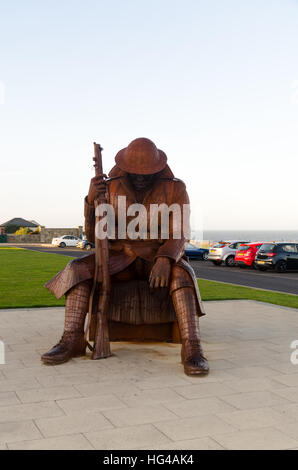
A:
47	234
23	238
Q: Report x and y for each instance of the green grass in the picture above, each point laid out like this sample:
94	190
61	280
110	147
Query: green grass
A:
211	290
23	274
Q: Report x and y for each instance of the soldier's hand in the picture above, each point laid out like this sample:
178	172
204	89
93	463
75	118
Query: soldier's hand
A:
94	188
160	273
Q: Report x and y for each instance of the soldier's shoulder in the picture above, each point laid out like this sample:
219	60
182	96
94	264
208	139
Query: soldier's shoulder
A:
112	179
179	184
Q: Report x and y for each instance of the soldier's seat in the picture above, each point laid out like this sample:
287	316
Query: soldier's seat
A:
138	314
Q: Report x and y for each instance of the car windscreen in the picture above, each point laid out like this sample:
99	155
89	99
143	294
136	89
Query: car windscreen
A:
189	246
268	247
243	247
219	245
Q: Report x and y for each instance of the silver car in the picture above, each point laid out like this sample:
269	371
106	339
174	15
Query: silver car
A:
224	252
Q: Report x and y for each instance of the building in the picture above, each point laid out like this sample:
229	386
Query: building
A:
18	222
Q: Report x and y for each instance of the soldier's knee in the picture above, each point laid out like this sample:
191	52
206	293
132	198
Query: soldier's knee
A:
180	278
83	289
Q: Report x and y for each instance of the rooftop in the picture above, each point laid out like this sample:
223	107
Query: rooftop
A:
20	221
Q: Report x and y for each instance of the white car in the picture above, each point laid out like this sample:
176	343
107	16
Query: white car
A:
224	252
65	240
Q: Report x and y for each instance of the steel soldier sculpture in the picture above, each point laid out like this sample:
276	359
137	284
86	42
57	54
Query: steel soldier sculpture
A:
151	280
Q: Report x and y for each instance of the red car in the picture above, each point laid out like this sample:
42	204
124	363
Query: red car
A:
246	254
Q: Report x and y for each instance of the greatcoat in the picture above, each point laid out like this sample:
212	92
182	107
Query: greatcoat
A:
130	261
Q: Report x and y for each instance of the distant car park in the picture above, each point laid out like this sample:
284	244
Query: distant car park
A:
281	257
65	240
224	252
193	252
246	253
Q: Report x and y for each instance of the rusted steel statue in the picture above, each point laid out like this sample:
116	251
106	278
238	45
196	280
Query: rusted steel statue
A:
148	280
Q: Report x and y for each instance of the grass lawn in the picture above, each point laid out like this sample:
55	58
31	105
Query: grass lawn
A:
211	290
23	274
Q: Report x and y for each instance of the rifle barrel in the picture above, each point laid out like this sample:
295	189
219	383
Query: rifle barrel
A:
97	159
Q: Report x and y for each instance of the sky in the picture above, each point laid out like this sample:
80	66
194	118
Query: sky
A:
214	84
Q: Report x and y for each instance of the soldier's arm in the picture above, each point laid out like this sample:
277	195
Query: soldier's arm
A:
174	248
89	220
89	209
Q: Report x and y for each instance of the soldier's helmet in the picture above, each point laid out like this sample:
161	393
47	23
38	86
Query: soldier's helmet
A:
141	157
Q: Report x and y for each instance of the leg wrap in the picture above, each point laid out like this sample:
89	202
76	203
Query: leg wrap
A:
186	311
192	355
76	307
72	343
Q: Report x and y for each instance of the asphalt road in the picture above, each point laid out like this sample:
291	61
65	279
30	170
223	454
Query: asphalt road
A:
73	252
287	282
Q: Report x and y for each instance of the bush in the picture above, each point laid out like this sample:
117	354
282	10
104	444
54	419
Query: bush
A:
23	231
36	231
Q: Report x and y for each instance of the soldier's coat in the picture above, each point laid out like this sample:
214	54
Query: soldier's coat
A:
123	253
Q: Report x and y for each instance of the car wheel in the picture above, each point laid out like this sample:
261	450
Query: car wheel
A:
88	246
230	261
62	245
217	263
281	266
205	255
254	266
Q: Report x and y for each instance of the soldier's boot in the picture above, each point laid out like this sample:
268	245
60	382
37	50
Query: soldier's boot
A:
72	343
192	355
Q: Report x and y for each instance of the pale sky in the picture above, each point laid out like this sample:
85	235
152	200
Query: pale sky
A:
213	83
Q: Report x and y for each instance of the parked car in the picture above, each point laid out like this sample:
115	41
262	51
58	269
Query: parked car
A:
246	253
65	240
85	245
193	252
278	256
224	252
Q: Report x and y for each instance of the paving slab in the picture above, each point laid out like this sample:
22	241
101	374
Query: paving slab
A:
256	418
77	422
140	397
205	443
139	415
190	428
77	442
8	398
256	439
13	431
29	411
131	437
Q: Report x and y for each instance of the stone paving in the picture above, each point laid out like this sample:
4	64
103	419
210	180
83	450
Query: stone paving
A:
140	398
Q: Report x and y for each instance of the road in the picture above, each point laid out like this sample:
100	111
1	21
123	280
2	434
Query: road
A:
287	282
71	251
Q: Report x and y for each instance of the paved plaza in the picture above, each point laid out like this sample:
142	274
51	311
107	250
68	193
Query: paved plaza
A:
140	398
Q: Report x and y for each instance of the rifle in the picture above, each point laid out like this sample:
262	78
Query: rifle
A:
101	346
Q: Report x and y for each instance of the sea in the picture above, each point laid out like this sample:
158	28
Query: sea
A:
246	235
